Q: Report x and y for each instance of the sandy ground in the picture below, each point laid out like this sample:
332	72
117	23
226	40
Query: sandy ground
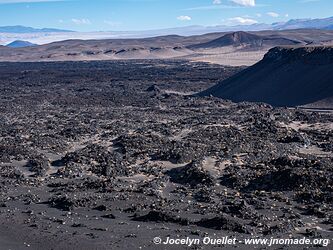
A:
229	56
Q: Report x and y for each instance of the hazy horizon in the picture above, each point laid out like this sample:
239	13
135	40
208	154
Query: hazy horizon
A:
139	15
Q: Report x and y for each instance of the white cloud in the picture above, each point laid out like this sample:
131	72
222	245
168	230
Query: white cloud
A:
272	14
226	4
112	23
215	7
249	3
184	18
28	1
240	21
82	21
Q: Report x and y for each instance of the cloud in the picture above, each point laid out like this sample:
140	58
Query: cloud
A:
238	2
273	14
112	23
227	4
82	21
184	18
241	21
214	7
249	3
28	1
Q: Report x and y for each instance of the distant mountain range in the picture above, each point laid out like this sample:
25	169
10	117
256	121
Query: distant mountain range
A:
11	33
22	29
324	23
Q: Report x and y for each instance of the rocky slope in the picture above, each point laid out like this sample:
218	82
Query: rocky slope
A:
246	39
287	76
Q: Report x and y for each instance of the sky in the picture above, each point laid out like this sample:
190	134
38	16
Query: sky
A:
127	15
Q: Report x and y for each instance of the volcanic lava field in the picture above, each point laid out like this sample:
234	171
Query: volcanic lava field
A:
109	155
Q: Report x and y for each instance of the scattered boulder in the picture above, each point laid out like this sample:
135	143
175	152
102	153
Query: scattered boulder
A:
154	88
224	222
193	174
39	165
159	216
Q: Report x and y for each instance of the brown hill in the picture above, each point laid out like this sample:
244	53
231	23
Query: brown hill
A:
298	76
246	39
254	44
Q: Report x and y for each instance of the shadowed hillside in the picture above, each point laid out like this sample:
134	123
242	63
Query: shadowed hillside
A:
300	76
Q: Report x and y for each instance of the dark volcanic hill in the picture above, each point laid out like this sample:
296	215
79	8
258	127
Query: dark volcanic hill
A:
300	76
233	39
20	44
246	39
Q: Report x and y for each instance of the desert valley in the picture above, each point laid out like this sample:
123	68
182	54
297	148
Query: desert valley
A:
107	144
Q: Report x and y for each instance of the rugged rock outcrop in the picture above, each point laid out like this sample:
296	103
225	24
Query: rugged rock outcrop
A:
287	76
